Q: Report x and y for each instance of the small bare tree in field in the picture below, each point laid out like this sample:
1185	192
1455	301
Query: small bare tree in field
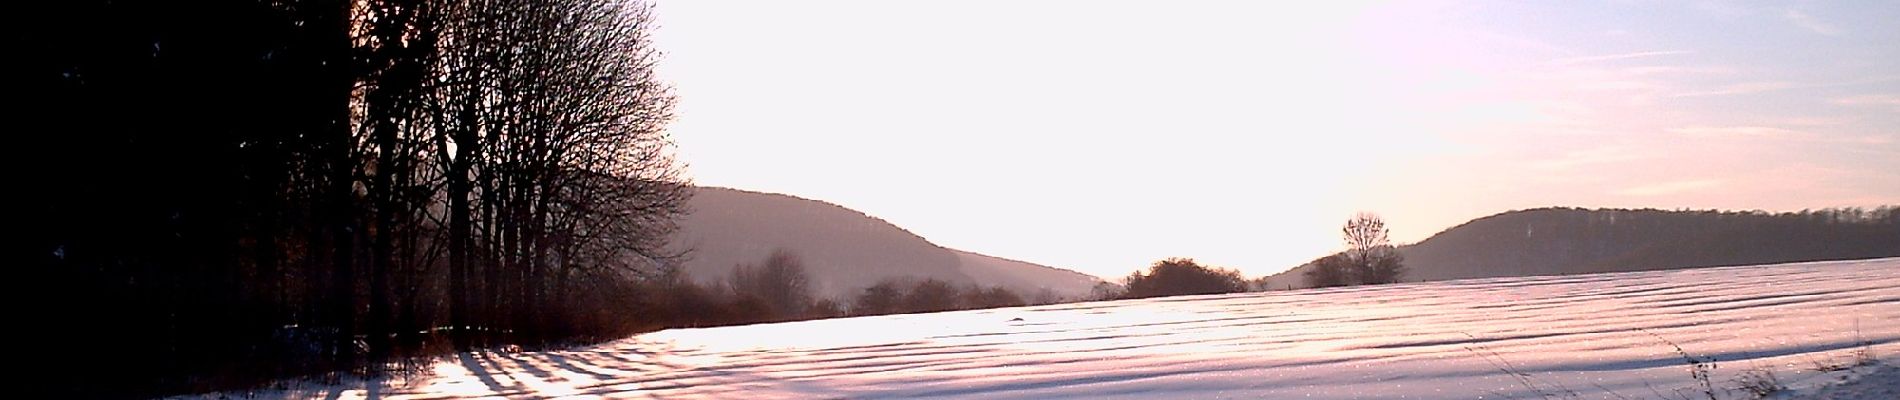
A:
1370	253
1369	259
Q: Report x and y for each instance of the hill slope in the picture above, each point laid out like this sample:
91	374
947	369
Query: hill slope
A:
1026	279
1555	241
844	250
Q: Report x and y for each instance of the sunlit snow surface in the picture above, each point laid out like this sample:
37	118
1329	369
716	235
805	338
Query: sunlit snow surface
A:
1598	336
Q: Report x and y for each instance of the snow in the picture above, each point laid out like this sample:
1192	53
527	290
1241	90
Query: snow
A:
1603	336
1883	383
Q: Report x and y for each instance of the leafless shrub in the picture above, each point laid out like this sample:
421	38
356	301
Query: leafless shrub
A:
1759	382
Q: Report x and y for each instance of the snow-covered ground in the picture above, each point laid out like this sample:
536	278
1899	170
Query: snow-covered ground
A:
1586	336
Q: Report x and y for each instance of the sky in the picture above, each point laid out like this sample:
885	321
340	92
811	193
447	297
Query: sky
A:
1102	136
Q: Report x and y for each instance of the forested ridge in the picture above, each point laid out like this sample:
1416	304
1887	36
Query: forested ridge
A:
1553	241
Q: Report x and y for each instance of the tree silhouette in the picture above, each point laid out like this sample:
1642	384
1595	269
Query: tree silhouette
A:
885	297
932	295
826	308
908	295
781	282
990	297
1106	291
1182	276
1329	271
1382	265
1371	258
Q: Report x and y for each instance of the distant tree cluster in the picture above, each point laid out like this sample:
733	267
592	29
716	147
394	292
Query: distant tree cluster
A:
779	290
1178	277
1886	214
1369	259
905	296
1105	290
780	286
776	290
230	191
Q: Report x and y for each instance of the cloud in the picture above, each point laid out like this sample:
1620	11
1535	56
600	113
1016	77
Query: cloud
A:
1875	139
1769	86
1673	187
1677	70
1807	21
1595	156
1615	57
1870	100
1618	85
1739	88
1812	121
1774	133
1749	132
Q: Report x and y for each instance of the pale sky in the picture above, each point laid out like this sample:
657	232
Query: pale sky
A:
1101	136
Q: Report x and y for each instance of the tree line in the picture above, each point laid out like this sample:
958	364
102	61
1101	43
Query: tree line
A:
778	289
234	190
1369	259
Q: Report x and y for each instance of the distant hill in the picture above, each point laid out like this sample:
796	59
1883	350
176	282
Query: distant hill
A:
1554	241
844	250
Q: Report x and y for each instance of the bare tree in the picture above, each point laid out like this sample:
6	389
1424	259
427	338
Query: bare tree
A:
1364	232
549	130
344	153
781	282
932	295
991	297
1369	253
1105	290
1384	265
1329	271
885	297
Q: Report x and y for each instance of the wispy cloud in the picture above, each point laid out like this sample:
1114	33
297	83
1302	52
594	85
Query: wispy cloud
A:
1673	187
1811	121
1870	100
1739	88
1777	133
1804	20
1769	86
1588	157
1615	85
1615	57
1677	70
1876	140
1751	132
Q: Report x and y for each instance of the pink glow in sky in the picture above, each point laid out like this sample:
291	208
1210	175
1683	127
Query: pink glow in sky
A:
1102	136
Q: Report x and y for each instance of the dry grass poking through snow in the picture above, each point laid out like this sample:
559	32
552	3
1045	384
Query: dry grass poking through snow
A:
1754	383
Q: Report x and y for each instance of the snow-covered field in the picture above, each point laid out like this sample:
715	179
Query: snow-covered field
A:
1586	336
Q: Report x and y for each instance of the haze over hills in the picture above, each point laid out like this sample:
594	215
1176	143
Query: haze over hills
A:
843	250
1562	241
